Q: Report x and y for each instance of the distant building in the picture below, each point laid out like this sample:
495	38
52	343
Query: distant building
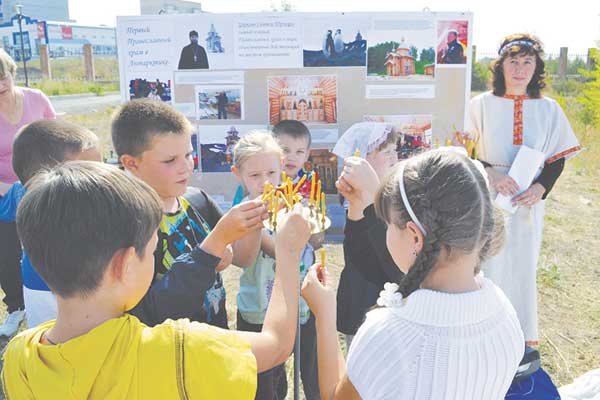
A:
213	41
149	7
44	10
64	39
399	62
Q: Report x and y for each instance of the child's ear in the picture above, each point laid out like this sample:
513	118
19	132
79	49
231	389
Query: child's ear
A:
121	263
130	163
236	172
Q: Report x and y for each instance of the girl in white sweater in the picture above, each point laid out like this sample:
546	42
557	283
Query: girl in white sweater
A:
443	331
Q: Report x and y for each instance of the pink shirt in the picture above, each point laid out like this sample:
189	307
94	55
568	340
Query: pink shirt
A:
36	106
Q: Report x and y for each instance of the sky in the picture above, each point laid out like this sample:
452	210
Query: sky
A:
574	24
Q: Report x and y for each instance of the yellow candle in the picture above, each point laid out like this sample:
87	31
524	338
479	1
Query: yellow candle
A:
283	177
357	153
322	257
265	191
290	190
312	189
470	146
276	210
323	207
299	184
287	203
448	142
318	195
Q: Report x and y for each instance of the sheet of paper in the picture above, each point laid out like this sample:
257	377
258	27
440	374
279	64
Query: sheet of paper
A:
524	168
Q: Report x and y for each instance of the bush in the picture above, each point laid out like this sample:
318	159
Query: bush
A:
480	77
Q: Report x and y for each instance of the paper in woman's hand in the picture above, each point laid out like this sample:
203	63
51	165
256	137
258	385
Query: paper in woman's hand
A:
523	170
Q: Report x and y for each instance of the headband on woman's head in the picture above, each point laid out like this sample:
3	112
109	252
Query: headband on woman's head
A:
412	214
507	46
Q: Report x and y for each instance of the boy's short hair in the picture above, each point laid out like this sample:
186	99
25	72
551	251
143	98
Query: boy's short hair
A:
45	143
255	142
293	128
75	217
138	121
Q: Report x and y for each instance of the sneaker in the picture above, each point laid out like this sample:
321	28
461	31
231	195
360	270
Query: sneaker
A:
12	322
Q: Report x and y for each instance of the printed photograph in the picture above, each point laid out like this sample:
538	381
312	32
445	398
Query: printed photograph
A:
415	133
452	42
338	42
219	102
216	143
155	89
401	50
311	99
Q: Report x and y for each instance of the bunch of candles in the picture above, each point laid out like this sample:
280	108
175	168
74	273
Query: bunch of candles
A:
469	144
283	197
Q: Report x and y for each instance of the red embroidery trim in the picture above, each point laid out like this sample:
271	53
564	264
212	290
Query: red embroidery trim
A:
562	154
518	118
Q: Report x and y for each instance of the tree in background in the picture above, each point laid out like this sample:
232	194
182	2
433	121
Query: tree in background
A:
589	99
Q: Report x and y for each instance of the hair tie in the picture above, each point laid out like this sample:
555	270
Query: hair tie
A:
507	46
412	214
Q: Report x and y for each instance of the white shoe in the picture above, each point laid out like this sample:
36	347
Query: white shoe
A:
12	322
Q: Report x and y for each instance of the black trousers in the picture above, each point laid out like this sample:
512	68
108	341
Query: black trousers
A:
272	384
10	267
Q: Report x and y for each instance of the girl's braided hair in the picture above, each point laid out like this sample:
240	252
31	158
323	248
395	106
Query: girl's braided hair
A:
450	198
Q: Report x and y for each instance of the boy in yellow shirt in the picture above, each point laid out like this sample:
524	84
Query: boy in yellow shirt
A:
90	230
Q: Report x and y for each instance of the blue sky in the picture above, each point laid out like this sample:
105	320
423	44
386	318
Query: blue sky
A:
575	24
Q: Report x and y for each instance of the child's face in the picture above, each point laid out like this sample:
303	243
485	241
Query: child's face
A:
166	165
257	170
400	246
140	273
295	153
382	160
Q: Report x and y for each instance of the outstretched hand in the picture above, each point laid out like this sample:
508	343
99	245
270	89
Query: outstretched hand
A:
293	232
319	293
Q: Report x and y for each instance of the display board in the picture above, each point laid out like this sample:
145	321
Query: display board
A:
233	73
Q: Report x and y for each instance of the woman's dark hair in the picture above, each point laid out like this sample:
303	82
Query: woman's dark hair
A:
535	49
450	197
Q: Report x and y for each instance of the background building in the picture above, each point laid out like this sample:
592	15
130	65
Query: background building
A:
64	39
169	7
46	10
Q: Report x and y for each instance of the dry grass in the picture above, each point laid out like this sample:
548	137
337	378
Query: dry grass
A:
569	270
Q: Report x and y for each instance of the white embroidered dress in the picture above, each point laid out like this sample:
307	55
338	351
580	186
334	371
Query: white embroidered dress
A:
502	125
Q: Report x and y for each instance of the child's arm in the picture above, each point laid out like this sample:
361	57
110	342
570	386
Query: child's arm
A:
319	293
239	221
274	344
246	249
267	244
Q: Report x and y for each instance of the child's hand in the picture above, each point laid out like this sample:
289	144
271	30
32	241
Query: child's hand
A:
358	182
241	220
318	291
293	232
226	259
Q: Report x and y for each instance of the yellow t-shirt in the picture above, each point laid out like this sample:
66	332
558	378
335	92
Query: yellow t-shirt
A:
124	359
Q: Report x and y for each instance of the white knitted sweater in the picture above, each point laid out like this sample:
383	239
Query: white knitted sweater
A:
438	346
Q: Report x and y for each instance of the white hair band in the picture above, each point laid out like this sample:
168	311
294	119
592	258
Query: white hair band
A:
412	214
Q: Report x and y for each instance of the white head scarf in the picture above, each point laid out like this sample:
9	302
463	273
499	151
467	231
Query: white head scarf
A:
362	136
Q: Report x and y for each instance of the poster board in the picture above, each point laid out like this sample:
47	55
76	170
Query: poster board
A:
329	70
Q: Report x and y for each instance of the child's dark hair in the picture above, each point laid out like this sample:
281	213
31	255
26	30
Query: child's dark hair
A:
450	198
138	121
532	48
293	128
45	143
74	219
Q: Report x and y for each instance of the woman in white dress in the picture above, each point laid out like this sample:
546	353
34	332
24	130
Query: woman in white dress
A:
512	115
